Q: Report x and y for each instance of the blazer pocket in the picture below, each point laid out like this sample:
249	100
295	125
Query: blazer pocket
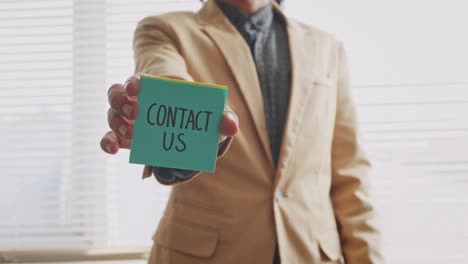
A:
188	239
330	245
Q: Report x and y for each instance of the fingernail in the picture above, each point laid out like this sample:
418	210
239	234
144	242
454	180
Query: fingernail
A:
108	148
126	109
122	130
126	82
233	116
127	85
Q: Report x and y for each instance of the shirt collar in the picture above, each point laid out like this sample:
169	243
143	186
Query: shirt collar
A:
260	21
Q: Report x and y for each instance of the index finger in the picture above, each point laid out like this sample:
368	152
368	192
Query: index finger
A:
132	85
119	101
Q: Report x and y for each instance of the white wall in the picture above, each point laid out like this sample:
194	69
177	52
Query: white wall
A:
398	41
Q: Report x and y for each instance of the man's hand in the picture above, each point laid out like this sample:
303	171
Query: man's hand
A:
123	111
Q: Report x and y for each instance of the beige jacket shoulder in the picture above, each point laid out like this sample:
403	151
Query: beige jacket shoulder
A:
316	203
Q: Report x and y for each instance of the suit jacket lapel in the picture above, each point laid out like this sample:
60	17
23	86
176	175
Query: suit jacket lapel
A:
301	61
239	58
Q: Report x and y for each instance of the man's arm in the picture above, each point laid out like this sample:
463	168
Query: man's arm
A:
354	211
155	53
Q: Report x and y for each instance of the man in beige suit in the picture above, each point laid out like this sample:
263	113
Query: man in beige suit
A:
301	199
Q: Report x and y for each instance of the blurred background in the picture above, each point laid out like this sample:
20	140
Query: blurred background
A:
63	199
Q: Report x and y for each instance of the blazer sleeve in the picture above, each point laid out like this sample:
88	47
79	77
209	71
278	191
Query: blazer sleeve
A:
354	211
156	52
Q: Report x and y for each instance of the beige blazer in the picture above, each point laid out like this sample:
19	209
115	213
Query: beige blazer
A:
315	204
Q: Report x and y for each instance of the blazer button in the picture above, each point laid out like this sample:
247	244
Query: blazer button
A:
278	194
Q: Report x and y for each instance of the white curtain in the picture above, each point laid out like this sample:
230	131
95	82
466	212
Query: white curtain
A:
58	57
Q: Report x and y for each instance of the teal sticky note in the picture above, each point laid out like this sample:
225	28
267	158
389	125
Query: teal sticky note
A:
178	124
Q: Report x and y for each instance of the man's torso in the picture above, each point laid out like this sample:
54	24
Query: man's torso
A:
236	214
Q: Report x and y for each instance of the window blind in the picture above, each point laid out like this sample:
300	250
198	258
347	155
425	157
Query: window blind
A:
417	136
36	71
58	189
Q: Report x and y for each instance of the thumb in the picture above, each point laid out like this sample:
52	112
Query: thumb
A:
229	125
